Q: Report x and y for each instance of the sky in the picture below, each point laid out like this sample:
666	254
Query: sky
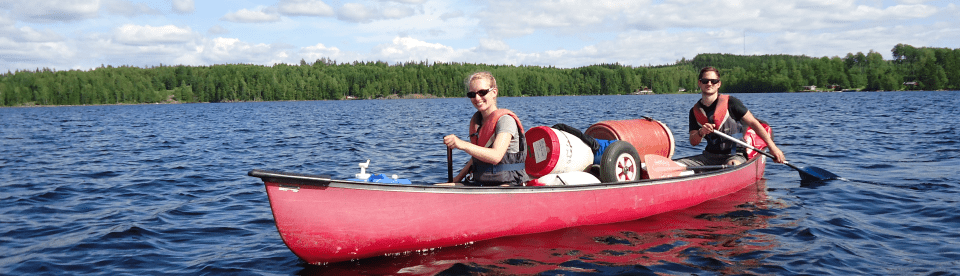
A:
85	34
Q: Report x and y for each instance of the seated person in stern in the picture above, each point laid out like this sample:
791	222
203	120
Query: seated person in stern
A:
496	144
724	113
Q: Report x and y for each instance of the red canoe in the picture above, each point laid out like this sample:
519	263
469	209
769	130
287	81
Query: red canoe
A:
325	220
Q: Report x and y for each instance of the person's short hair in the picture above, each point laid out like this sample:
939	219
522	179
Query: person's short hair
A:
708	69
478	76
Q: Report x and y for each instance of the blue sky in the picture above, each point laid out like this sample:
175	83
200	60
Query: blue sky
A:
83	34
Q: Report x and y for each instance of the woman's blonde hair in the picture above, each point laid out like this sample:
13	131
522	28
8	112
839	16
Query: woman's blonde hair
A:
479	76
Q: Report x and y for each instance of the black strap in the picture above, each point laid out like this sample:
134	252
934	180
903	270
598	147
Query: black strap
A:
487	168
590	141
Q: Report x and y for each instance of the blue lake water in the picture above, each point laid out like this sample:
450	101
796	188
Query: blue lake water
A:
162	189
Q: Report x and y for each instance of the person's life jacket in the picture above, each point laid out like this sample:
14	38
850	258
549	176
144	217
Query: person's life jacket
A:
723	121
511	169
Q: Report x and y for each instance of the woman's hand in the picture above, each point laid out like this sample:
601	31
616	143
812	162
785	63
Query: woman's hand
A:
452	141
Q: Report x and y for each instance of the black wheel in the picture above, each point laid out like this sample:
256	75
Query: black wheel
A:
619	162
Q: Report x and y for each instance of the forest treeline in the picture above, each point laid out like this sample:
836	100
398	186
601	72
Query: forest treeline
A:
910	69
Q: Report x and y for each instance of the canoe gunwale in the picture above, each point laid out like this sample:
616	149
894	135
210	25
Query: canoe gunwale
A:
324	181
291	178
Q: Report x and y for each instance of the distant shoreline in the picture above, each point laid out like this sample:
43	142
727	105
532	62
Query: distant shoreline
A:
391	97
427	96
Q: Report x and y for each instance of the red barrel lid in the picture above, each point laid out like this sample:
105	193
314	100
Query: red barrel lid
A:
543	151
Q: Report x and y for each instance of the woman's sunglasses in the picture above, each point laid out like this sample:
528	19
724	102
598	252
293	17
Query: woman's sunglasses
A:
482	92
710	81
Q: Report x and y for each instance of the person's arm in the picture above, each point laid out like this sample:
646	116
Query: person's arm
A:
696	136
491	155
694	127
488	155
755	124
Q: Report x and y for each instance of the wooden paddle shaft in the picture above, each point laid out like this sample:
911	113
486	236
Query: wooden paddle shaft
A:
449	165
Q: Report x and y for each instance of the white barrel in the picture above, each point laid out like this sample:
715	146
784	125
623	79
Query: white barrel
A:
551	151
567	178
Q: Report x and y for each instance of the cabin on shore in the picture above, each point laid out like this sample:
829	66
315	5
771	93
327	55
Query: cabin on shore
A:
643	91
808	88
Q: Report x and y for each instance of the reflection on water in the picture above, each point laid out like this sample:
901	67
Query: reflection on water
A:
717	236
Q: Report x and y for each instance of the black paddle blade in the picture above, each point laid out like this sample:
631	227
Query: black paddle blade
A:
813	174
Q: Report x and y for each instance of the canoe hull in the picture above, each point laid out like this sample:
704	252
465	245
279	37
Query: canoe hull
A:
324	220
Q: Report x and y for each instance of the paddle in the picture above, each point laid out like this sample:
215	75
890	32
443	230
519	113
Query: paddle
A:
662	167
449	165
808	174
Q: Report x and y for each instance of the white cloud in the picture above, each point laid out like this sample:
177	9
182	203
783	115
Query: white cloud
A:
149	35
515	19
28	34
425	23
315	52
30	55
260	15
26	47
356	13
396	12
451	15
183	6
231	50
880	39
196	51
493	45
409	49
406	1
909	11
127	8
911	2
5	19
45	11
511	18
97	48
305	8
349	12
52	10
359	13
217	30
765	16
563	33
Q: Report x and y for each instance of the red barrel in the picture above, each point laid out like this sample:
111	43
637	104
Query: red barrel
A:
647	135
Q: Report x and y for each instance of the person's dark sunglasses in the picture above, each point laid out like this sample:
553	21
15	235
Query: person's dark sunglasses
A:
710	81
482	92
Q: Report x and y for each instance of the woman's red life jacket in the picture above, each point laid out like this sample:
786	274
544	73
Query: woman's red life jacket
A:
480	133
511	169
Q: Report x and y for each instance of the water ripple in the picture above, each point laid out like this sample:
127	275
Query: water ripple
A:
161	189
